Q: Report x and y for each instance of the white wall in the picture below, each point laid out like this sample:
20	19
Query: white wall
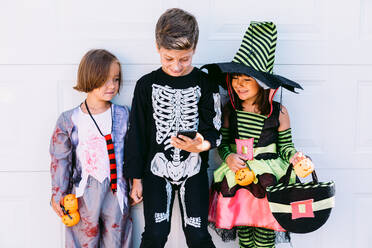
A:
323	44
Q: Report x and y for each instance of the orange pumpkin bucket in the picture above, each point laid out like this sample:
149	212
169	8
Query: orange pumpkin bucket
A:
304	168
70	209
244	177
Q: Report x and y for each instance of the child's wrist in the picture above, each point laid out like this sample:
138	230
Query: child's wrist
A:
57	197
137	181
227	156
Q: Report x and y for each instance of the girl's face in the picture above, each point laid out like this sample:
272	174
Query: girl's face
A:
245	87
111	87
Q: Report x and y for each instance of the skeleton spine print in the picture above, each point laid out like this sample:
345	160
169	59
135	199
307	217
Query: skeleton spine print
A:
174	110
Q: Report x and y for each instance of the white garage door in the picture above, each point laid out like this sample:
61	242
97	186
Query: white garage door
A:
323	44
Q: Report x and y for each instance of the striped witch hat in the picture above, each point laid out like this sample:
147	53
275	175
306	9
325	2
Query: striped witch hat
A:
254	58
258	47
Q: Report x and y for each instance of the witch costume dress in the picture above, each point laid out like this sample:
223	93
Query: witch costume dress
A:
246	208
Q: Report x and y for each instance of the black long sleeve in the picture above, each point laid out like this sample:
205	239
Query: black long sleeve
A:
210	112
136	142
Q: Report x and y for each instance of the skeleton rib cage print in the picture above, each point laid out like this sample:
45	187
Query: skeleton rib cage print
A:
174	110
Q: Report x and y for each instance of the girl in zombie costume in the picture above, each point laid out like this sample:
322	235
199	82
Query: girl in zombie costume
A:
256	134
87	150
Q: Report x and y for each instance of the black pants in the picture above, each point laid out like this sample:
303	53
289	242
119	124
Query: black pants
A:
196	202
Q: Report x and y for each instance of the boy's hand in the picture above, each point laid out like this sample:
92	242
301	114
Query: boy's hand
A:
196	145
235	162
57	206
136	192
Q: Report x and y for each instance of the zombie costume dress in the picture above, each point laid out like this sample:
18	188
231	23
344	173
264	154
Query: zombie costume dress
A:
81	161
162	106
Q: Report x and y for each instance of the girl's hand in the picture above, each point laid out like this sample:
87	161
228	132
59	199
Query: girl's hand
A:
235	162
57	206
196	145
297	158
136	192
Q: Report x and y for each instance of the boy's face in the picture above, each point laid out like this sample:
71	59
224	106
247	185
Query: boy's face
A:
176	62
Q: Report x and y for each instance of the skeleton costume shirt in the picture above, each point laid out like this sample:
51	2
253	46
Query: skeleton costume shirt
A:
162	106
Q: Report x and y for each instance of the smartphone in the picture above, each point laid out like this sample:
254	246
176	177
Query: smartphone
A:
190	134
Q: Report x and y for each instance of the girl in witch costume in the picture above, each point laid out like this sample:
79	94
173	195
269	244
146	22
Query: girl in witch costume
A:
87	150
256	134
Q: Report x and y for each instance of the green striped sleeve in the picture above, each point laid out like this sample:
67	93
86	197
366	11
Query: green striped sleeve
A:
224	149
285	145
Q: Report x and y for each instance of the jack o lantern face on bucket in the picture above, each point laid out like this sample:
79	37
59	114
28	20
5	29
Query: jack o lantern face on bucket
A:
70	202
304	168
244	177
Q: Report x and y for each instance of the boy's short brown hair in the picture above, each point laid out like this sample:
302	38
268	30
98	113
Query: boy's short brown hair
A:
177	29
94	69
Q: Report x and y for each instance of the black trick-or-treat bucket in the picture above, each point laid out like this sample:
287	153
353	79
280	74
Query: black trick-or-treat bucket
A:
301	207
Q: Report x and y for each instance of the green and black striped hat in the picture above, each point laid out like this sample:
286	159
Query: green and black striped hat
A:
254	58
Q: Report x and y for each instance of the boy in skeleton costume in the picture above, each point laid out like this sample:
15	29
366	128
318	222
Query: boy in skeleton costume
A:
176	97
